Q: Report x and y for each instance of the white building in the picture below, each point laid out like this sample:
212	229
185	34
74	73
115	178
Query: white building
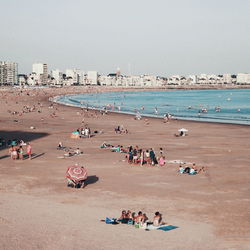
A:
74	74
41	70
243	78
8	73
192	80
33	79
92	78
227	78
58	76
174	80
82	78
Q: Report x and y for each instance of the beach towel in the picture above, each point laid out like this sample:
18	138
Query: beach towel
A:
162	227
111	221
167	228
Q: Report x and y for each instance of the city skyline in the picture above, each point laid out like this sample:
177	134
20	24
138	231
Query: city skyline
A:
141	37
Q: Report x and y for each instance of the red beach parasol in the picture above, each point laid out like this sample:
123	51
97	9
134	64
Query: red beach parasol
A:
76	173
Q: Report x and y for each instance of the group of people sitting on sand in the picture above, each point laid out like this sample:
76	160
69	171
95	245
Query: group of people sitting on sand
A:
139	220
191	170
120	130
17	152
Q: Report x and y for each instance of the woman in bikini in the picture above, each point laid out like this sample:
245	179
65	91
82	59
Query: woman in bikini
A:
158	220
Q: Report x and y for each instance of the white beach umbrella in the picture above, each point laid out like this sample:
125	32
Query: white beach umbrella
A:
183	130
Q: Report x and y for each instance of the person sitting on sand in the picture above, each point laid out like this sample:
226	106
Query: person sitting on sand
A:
78	151
193	170
123	217
60	145
162	161
139	218
157	221
181	169
145	218
129	215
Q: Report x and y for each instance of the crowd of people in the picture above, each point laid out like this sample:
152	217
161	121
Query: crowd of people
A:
136	155
83	132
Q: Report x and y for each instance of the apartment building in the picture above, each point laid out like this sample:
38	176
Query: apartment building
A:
8	73
41	70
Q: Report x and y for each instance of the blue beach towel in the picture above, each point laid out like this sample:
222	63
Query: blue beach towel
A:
167	228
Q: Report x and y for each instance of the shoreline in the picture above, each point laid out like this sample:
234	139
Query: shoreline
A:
208	120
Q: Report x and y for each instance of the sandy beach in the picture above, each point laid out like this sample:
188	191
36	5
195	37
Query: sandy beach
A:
39	211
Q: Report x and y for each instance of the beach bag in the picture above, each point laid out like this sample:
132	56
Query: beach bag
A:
130	222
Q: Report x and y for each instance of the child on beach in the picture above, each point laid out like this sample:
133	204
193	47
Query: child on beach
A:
20	153
29	149
162	161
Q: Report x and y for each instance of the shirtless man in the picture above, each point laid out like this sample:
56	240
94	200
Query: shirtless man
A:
139	218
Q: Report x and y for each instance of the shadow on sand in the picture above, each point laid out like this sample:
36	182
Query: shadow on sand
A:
91	180
20	135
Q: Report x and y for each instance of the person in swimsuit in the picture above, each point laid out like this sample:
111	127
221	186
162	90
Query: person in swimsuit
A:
158	220
29	150
139	218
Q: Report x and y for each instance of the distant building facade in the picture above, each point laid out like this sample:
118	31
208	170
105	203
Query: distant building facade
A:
92	78
8	73
243	78
41	71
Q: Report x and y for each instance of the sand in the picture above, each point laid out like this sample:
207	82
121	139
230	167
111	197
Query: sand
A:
38	210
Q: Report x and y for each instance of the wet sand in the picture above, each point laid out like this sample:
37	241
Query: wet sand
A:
38	210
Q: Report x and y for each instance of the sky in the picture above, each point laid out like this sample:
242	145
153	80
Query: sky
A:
159	37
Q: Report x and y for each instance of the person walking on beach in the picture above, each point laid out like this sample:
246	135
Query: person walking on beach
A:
29	150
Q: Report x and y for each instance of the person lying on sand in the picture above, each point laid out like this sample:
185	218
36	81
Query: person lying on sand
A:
191	170
106	145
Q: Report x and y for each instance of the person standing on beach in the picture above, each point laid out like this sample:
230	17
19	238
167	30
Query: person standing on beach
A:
152	157
13	152
20	153
29	150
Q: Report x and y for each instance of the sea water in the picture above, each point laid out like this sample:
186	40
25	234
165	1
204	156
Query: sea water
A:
224	106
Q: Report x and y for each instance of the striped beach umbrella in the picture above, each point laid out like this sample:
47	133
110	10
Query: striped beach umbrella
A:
76	173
